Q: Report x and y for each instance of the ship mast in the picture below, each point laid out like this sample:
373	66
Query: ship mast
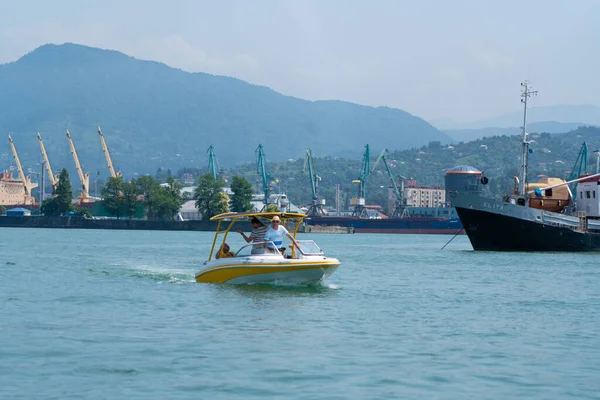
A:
526	92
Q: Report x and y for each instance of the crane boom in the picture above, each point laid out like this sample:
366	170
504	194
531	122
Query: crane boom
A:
312	176
111	168
382	157
316	207
263	171
16	157
27	184
399	208
580	167
379	158
83	178
53	178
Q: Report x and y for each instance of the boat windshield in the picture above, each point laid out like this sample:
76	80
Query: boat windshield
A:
309	248
258	248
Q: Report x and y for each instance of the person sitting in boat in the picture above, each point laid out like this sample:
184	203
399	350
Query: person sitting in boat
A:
224	252
256	236
275	234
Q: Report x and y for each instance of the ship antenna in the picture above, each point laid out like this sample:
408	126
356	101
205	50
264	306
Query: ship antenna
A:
526	92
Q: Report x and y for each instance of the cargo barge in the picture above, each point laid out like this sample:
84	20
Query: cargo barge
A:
419	220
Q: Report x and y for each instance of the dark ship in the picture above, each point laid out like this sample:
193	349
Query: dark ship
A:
536	217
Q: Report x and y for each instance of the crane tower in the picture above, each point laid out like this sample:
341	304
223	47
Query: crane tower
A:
359	202
316	206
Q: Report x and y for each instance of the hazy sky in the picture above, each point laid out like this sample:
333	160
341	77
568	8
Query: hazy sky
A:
459	59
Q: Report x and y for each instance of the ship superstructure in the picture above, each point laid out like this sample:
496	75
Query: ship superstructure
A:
12	191
16	191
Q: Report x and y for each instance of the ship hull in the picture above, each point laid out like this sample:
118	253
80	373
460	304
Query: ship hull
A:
410	225
498	226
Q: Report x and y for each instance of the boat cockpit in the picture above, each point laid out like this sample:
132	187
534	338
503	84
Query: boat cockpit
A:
308	248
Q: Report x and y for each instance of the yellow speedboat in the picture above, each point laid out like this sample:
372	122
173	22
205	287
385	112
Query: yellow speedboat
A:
261	262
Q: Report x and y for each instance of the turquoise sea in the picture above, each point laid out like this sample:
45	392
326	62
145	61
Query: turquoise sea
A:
105	314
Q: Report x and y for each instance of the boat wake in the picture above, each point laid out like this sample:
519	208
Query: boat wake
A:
162	274
331	286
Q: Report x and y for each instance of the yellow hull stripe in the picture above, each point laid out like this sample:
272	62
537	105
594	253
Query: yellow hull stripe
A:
223	273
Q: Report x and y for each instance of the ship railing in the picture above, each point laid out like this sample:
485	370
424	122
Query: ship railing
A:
562	220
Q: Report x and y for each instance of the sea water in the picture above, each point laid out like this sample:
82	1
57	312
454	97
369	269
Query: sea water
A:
117	314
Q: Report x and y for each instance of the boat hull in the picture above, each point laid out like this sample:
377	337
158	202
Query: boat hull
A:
498	226
285	272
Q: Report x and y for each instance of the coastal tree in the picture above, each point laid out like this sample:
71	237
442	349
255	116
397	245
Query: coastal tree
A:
147	187
62	200
272	207
120	197
209	200
129	198
63	192
241	194
160	201
2	210
166	205
222	205
110	194
170	199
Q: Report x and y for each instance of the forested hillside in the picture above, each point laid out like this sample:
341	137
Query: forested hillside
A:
153	115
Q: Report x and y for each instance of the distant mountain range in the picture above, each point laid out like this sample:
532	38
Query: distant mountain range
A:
466	135
582	114
155	116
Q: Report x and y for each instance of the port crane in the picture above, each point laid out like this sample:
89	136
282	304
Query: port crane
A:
580	167
400	210
263	171
316	207
212	162
84	197
27	184
359	202
53	178
111	168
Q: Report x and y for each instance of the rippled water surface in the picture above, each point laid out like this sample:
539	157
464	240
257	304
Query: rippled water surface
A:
116	314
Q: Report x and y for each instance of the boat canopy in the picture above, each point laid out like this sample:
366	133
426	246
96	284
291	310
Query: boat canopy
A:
267	215
229	219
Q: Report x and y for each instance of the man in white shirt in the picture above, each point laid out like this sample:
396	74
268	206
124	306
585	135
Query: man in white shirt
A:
276	232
